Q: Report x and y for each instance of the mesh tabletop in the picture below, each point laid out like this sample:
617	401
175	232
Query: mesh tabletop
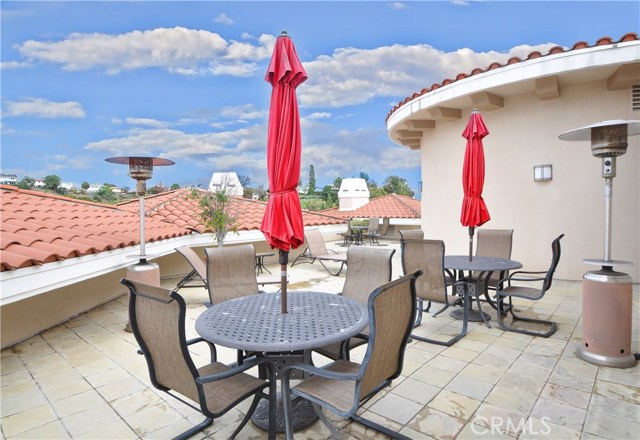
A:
255	323
480	264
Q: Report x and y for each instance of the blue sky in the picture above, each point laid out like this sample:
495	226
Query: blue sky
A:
83	81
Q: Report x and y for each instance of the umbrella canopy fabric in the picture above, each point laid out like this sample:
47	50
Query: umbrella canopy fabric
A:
474	211
282	223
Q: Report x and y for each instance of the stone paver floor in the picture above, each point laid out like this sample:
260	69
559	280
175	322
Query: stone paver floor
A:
83	380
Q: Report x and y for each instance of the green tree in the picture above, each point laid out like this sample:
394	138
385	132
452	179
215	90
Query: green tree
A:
311	189
216	214
52	182
337	183
397	185
26	183
105	194
330	195
175	186
85	185
245	181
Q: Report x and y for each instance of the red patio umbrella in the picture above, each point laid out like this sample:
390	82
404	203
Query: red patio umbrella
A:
474	211
282	223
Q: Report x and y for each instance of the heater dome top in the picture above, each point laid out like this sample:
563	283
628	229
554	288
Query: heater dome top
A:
584	133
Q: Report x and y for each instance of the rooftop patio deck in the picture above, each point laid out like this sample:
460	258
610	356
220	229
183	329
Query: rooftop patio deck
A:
83	379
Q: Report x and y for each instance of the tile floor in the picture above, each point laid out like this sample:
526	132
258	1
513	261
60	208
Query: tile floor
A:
84	380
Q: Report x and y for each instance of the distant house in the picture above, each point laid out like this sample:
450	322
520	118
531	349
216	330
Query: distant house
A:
67	185
8	179
94	188
226	182
38	183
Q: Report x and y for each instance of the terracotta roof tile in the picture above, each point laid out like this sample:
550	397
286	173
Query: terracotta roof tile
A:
390	205
179	208
631	36
39	228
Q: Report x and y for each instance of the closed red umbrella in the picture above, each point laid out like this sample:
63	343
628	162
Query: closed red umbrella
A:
282	223
474	211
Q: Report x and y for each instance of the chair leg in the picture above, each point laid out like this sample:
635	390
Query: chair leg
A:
334	432
484	318
193	431
463	332
553	327
328	270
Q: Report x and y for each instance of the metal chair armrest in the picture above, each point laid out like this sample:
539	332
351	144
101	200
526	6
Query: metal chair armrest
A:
319	372
212	347
234	369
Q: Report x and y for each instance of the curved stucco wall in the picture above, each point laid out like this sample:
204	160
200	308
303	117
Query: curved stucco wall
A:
525	133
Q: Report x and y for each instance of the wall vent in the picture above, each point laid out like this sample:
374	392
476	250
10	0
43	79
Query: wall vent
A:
635	97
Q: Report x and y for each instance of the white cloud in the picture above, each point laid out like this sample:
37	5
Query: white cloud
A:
352	76
41	108
318	115
223	19
398	5
13	65
245	111
145	122
179	50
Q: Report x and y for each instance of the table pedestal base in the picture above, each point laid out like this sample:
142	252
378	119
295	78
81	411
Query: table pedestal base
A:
302	414
473	315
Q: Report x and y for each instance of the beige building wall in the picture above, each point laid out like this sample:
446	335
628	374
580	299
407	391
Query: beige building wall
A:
525	133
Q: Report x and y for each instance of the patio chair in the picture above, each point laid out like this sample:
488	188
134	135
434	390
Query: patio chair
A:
343	386
411	234
384	229
367	269
494	243
317	250
231	272
198	272
525	290
347	236
372	230
428	256
157	317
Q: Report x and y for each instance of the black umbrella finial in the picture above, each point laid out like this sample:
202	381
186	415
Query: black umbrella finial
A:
284	33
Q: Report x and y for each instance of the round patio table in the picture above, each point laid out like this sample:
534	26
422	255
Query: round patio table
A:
254	323
476	286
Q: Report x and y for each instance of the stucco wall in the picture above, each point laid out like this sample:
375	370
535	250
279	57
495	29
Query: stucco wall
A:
525	133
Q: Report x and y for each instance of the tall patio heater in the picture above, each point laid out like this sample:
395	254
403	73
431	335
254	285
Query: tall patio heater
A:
606	293
141	170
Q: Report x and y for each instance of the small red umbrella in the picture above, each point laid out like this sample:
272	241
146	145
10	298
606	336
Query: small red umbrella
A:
474	211
282	223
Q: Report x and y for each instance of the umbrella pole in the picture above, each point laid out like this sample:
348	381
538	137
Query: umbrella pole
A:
284	260
471	230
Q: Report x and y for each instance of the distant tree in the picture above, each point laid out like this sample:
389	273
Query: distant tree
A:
105	194
52	182
397	185
157	189
315	204
26	183
175	186
262	193
337	183
330	195
85	185
376	191
311	188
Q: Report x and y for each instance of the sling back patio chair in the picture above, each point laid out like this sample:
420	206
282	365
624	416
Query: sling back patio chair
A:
199	271
367	269
494	243
348	235
428	256
343	386
157	317
231	272
411	234
531	286
372	230
317	250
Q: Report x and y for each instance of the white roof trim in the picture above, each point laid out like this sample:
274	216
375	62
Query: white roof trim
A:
577	59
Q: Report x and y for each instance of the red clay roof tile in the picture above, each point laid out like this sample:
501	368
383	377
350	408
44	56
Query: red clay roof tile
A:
39	228
390	205
631	36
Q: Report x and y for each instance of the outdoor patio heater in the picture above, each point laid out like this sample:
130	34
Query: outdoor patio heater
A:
606	293
141	170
